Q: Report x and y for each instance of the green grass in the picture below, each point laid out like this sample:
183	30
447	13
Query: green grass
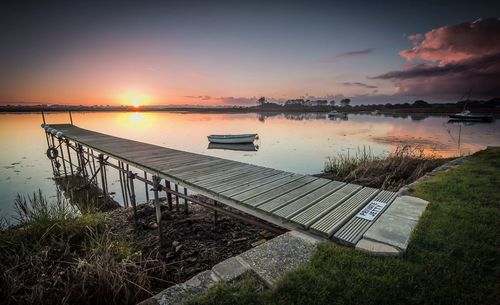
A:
453	257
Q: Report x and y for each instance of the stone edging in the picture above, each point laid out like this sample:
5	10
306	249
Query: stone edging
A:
407	189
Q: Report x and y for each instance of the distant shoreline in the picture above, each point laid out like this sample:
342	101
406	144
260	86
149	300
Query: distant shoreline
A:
492	107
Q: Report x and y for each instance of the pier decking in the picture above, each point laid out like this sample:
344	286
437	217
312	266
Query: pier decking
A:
292	201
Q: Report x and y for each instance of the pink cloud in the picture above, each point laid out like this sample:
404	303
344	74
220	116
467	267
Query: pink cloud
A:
456	42
451	59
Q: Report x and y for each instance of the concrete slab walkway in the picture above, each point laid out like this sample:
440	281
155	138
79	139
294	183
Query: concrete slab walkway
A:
391	232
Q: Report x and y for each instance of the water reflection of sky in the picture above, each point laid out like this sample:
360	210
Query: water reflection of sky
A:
294	142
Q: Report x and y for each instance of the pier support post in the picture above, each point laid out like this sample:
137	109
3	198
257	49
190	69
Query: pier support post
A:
78	159
69	157
102	168
62	157
81	160
186	210
122	183
156	188
146	186
216	215
177	198
91	153
55	163
169	195
131	177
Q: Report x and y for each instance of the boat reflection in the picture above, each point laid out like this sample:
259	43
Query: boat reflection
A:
239	147
338	118
465	123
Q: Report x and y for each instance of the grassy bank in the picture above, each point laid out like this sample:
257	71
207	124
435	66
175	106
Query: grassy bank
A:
453	257
55	255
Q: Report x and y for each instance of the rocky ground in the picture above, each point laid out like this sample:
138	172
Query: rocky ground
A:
192	242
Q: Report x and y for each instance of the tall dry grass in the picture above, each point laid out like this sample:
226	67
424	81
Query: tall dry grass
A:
56	255
404	165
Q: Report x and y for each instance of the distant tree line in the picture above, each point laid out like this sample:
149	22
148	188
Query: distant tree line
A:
306	103
346	104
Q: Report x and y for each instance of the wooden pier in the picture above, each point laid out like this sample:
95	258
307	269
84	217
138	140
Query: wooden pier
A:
330	209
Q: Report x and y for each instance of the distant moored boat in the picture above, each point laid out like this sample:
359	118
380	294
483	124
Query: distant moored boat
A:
334	114
466	115
233	139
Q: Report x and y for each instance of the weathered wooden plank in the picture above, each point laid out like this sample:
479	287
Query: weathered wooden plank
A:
160	158
152	151
239	176
217	169
215	173
218	166
293	195
318	210
166	166
265	188
195	166
279	191
261	181
337	217
228	174
297	206
243	179
245	195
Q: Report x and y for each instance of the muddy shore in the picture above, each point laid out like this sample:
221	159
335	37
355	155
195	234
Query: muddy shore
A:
192	242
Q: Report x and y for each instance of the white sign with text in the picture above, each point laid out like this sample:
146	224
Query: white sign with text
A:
371	210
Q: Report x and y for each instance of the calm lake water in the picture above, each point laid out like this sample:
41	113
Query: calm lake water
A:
294	142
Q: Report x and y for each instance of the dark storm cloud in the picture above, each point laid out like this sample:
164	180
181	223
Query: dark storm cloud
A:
359	84
457	58
227	100
335	57
200	97
354	53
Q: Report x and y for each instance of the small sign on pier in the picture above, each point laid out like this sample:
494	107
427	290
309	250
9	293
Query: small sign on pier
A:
371	210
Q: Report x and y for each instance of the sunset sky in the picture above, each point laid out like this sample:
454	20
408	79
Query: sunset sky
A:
230	53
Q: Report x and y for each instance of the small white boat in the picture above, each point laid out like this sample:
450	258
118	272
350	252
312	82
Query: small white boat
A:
334	114
233	139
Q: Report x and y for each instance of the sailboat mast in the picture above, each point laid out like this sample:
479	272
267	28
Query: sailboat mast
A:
467	100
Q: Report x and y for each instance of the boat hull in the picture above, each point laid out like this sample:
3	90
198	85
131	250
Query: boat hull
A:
474	118
232	139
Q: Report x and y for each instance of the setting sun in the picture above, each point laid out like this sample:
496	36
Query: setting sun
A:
136	101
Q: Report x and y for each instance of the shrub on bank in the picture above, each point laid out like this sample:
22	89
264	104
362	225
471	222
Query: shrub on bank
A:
402	166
